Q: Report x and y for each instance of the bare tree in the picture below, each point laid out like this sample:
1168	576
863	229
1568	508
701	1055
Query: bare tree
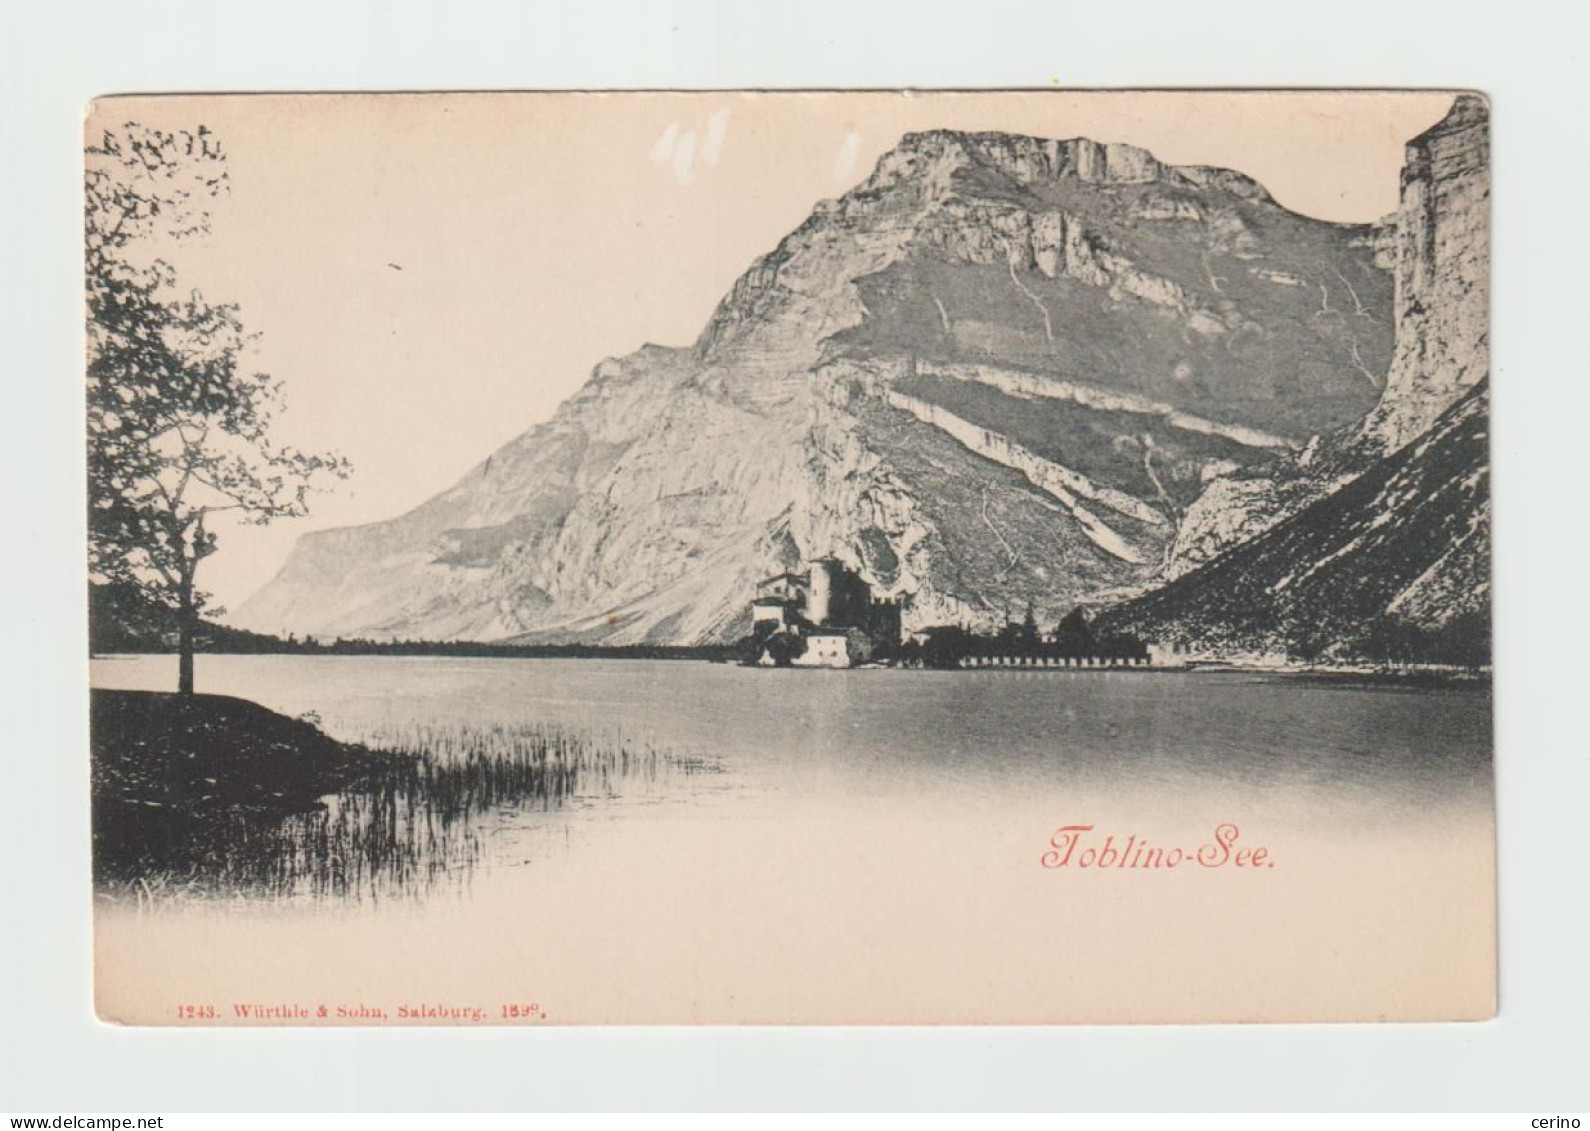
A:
178	426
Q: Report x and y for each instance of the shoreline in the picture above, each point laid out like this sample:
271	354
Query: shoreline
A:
170	772
1344	675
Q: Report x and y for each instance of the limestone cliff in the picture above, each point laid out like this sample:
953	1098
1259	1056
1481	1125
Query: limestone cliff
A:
1443	275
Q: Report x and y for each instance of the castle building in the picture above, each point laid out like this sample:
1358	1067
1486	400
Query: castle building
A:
774	611
828	615
785	586
780	601
825	648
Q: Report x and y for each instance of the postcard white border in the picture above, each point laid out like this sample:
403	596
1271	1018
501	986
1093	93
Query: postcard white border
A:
55	1056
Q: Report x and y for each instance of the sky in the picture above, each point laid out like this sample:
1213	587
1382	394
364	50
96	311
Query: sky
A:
431	275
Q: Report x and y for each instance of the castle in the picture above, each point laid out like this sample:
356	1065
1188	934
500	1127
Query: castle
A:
826	617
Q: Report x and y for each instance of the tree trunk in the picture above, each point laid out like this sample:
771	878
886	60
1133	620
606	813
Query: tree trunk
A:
185	639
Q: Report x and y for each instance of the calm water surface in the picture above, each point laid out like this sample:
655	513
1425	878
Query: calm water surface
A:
738	743
842	846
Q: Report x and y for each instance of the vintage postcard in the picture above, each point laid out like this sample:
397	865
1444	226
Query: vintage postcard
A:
794	558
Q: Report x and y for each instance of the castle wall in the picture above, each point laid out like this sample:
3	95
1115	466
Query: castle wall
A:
824	652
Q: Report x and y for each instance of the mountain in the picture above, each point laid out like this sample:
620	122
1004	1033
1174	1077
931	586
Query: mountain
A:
1375	541
1001	370
1396	564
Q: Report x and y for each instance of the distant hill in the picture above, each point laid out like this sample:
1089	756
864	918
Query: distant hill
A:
122	620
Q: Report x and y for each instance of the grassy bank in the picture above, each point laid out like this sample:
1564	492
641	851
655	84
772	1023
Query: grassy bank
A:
208	795
172	774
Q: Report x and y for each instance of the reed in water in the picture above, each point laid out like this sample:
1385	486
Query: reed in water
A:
397	809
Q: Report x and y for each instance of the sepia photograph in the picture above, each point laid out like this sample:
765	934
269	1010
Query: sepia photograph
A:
850	558
672	558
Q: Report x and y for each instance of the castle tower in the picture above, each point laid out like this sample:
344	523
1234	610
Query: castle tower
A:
820	599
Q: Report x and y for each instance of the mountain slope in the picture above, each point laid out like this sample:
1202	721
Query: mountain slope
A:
1398	558
997	371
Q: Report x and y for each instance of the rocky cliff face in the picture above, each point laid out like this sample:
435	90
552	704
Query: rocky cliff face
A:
1443	275
1000	370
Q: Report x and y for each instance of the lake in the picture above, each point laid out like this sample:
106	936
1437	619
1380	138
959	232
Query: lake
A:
870	845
